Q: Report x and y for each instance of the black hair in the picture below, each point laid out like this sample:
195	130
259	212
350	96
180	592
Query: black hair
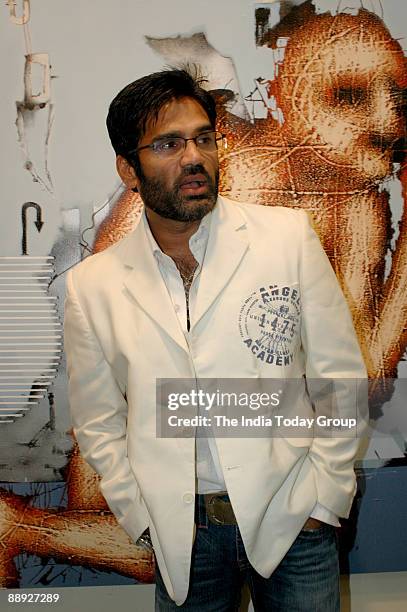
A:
142	100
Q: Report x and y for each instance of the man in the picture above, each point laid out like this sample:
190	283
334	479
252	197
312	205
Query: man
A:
190	294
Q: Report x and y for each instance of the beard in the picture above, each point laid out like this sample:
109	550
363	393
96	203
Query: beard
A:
172	204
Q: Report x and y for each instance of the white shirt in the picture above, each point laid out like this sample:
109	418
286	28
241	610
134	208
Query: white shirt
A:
209	473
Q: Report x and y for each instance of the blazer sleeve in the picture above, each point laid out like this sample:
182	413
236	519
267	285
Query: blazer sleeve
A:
99	416
331	351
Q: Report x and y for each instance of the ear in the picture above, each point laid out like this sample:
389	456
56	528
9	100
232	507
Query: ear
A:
127	173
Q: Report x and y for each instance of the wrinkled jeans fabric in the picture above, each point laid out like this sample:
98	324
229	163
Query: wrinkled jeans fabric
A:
306	580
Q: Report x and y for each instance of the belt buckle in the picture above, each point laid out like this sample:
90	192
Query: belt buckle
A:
219	512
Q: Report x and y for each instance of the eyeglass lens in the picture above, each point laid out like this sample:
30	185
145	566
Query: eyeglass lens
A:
174	145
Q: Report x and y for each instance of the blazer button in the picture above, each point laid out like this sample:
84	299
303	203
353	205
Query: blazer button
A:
188	498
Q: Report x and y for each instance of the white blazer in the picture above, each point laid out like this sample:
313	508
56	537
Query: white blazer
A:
121	333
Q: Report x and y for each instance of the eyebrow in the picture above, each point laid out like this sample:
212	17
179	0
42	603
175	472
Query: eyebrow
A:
178	133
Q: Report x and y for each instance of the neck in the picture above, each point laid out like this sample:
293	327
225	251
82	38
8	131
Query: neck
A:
172	236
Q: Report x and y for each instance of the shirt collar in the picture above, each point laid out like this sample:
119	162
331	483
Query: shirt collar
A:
200	237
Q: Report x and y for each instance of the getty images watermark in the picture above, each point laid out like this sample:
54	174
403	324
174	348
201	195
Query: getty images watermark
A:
261	407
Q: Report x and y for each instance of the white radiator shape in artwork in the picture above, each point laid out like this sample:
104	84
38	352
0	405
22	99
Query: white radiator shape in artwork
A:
30	334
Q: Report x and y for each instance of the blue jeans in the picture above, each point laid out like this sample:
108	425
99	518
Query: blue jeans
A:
306	580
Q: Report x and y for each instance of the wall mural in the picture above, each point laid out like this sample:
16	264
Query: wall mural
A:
324	129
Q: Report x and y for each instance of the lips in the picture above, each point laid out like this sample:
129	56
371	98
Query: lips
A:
194	185
193	181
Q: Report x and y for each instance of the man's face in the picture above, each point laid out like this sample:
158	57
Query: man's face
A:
183	187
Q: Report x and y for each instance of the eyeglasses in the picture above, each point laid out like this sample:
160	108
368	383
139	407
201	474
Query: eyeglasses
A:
171	146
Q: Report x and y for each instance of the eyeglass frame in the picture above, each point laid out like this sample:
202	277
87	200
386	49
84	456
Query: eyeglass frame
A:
194	138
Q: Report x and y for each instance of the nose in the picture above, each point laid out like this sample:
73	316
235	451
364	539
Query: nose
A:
191	154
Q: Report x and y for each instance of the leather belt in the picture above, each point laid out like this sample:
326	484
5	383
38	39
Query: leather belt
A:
219	511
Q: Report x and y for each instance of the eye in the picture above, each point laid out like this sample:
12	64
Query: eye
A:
166	145
349	96
206	139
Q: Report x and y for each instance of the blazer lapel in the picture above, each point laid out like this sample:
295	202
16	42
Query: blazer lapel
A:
145	283
227	244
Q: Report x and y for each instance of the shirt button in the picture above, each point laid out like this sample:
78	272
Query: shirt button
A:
176	307
188	498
